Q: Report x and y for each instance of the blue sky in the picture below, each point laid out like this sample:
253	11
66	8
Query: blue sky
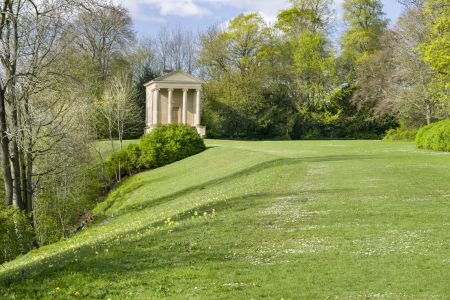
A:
150	15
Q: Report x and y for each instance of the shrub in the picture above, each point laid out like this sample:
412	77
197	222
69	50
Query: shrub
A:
435	136
124	162
134	153
16	233
400	134
167	144
164	145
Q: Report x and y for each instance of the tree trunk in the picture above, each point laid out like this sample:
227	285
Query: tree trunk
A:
23	178
4	140
110	131
15	157
428	114
119	127
29	163
22	161
30	179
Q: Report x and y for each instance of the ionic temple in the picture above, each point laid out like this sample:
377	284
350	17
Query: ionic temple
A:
174	98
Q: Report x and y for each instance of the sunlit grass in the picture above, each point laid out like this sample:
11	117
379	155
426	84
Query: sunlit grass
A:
315	219
106	147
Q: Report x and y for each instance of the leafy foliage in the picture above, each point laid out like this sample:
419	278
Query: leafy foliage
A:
436	51
339	117
435	136
314	64
366	26
16	233
124	162
401	133
281	81
66	201
167	144
242	107
241	100
164	145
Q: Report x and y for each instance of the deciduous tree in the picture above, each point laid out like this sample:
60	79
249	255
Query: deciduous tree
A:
366	25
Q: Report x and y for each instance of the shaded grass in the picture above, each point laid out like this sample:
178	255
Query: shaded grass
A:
338	219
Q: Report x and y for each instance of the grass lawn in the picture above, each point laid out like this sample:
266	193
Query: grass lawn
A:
105	147
291	220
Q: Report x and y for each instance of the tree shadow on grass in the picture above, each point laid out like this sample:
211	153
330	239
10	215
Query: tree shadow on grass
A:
109	263
242	173
165	250
130	184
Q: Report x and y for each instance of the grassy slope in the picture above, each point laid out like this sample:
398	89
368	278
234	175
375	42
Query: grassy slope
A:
104	148
344	219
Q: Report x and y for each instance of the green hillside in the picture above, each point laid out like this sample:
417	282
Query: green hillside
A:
291	220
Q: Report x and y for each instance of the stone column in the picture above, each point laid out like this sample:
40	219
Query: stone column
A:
155	107
147	106
169	107
197	108
184	111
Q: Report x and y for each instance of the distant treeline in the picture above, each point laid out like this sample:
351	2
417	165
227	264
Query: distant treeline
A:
287	80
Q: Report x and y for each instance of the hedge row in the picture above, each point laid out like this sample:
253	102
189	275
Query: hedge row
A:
164	145
435	136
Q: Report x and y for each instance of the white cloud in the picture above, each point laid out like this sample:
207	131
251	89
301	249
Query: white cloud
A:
269	8
200	8
160	10
183	8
